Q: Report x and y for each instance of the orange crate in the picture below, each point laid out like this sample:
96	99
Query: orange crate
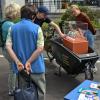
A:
77	45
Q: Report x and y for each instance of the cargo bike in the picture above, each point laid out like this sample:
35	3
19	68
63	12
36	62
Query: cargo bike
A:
71	62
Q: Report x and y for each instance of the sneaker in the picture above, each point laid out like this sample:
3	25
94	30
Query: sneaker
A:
95	69
11	93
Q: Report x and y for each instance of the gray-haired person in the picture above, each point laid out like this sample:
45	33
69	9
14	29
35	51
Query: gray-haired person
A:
12	13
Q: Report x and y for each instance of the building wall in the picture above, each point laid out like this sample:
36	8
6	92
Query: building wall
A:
20	2
2	8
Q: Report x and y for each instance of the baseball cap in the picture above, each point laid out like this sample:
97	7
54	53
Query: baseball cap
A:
43	9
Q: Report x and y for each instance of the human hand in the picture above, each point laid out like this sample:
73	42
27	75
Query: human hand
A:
62	35
28	67
20	66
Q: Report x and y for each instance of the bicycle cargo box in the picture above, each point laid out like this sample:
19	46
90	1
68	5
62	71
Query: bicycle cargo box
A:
77	45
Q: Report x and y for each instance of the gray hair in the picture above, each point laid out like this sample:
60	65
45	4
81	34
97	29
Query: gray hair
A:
12	11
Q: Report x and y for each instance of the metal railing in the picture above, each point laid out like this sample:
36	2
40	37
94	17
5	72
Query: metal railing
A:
55	6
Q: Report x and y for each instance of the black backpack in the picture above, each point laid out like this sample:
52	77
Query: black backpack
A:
2	42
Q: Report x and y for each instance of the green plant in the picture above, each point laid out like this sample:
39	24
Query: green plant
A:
93	15
67	15
44	26
96	24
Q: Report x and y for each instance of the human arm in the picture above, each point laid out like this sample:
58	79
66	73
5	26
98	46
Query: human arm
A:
37	52
11	52
57	29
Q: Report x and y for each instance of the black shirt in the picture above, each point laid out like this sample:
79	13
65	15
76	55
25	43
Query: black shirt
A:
41	21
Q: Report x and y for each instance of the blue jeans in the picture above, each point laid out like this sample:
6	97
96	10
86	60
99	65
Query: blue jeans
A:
90	38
